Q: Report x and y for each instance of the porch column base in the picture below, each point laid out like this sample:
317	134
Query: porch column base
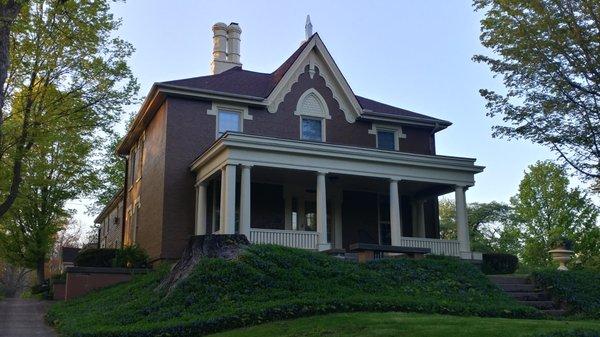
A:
323	246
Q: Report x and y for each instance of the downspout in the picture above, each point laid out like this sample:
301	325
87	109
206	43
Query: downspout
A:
435	129
124	201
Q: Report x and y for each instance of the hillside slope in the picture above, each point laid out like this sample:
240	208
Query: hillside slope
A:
271	283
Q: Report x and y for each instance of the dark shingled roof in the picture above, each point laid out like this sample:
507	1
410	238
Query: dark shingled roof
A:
237	81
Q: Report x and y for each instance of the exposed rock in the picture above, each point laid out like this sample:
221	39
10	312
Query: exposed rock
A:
227	246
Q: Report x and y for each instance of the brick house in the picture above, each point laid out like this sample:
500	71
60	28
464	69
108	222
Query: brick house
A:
291	157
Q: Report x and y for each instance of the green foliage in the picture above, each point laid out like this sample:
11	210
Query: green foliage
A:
546	51
112	174
68	84
271	283
131	257
96	257
490	226
578	289
547	209
498	263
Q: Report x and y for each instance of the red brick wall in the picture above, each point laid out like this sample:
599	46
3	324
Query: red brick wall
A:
80	283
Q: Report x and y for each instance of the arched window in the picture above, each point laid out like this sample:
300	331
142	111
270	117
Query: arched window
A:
313	112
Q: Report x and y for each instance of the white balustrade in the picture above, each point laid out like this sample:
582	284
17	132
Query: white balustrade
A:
288	238
438	247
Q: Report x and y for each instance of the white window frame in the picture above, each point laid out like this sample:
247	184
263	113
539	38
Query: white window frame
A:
323	128
323	115
242	110
397	130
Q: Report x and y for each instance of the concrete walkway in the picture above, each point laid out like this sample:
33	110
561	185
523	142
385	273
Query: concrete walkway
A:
20	318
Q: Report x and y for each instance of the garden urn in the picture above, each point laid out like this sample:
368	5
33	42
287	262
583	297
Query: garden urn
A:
562	256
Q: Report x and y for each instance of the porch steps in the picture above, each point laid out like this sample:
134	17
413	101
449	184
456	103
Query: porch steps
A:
523	290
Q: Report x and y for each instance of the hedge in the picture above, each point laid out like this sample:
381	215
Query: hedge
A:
499	263
578	289
271	283
569	333
95	257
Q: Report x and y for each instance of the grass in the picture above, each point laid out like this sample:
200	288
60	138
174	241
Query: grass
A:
269	283
406	324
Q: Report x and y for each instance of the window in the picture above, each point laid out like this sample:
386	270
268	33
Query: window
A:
228	121
386	140
132	163
312	129
313	112
138	159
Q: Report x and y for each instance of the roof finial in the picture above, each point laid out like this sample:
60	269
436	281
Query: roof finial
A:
308	28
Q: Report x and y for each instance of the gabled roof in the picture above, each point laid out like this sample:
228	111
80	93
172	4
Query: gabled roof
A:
261	88
238	81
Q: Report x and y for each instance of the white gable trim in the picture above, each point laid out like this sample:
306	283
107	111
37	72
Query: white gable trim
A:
315	55
300	111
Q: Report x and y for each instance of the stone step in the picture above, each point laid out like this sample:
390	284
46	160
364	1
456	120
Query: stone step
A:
529	296
517	287
510	279
554	312
544	305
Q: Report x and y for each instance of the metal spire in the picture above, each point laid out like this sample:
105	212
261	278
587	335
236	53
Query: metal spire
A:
308	28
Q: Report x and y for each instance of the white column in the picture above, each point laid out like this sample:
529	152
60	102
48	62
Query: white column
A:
228	199
461	220
421	218
245	202
200	208
322	211
395	222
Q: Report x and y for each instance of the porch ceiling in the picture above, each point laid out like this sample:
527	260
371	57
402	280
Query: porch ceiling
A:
236	148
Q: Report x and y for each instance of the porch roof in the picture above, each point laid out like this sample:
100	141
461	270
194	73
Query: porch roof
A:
237	148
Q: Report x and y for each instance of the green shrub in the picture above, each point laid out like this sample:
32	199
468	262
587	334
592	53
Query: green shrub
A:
269	283
58	278
95	257
131	257
499	263
578	289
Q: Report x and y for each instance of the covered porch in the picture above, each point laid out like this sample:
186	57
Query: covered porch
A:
320	196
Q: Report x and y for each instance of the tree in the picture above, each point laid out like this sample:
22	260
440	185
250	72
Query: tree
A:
112	174
547	52
490	225
64	50
547	209
58	169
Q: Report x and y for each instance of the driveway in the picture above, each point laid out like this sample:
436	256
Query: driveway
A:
19	317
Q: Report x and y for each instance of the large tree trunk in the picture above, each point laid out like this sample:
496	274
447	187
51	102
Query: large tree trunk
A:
9	9
39	269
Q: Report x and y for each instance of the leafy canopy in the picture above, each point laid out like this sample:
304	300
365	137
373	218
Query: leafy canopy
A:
548	54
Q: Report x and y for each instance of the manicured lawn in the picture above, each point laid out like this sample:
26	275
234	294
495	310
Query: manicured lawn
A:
405	324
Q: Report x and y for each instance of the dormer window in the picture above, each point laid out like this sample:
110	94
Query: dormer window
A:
228	121
313	113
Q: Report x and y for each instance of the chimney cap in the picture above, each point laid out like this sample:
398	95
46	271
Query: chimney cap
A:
219	25
234	26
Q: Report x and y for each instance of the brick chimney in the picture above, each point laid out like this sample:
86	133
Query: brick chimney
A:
226	47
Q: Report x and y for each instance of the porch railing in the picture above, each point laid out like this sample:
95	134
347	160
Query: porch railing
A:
438	247
288	238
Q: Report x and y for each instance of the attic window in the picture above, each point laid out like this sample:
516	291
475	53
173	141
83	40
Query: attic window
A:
313	112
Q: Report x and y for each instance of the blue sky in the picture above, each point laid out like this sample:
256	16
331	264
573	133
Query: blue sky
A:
411	54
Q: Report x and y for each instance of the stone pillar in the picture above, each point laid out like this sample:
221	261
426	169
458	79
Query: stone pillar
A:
395	222
200	208
228	199
461	220
322	211
245	187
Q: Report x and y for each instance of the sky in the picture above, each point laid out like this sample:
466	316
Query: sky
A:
412	54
